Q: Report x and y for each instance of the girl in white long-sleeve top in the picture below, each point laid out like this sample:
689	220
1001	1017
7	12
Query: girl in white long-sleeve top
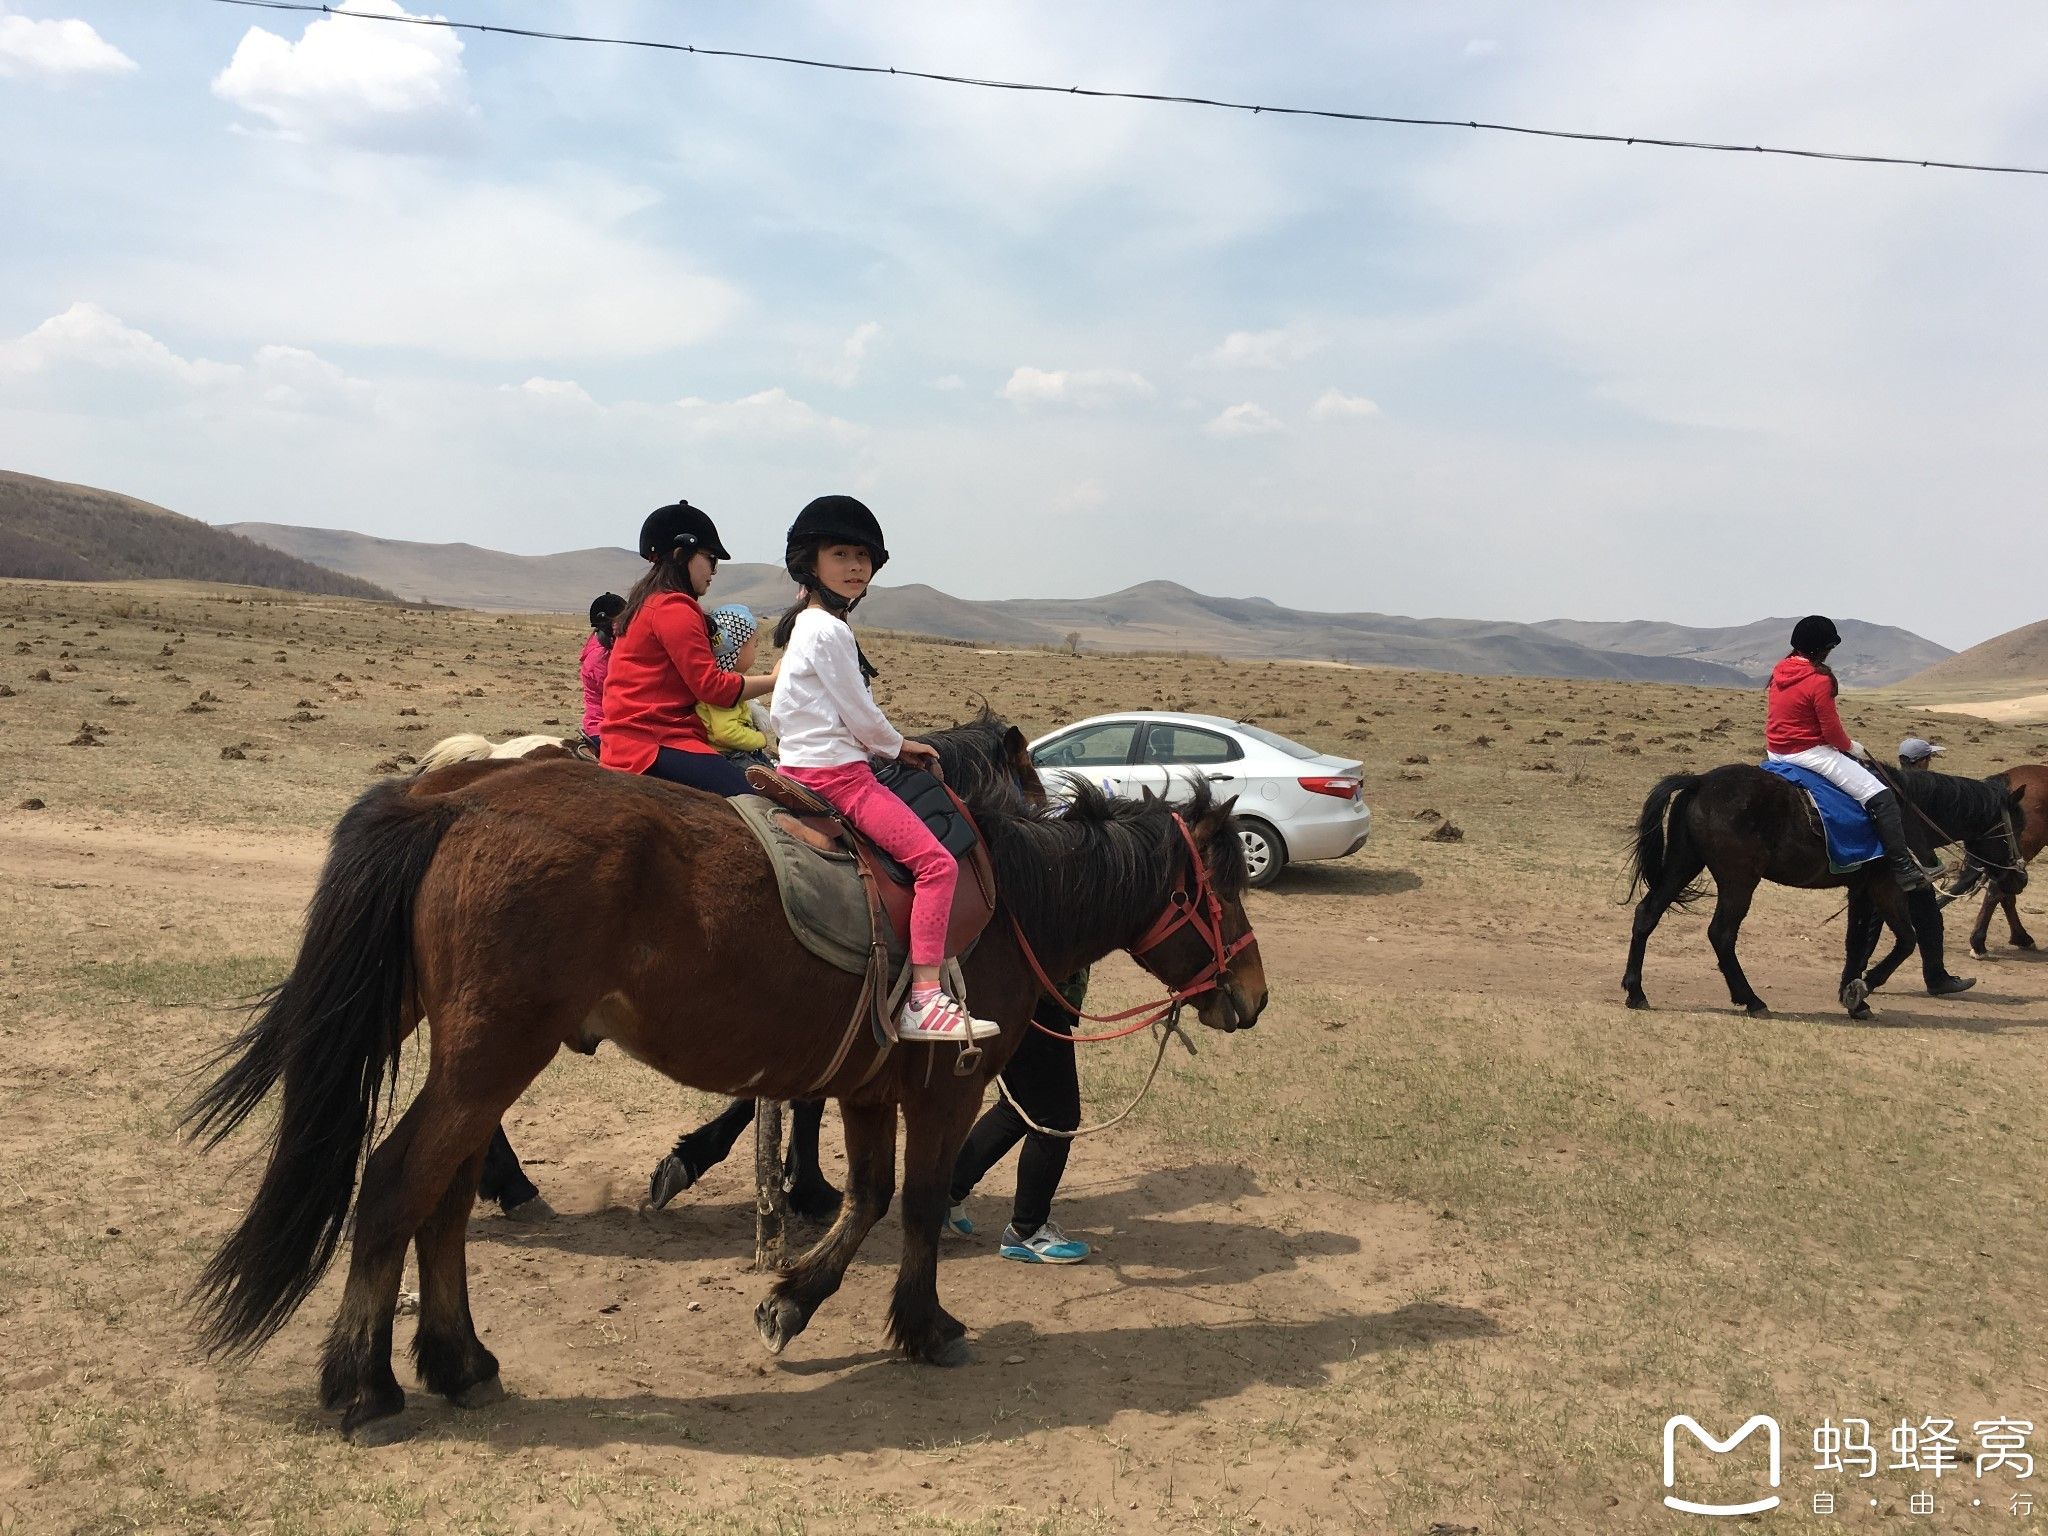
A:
829	726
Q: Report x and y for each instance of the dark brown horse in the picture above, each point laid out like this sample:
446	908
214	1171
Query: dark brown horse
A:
2031	833
530	906
982	756
1745	826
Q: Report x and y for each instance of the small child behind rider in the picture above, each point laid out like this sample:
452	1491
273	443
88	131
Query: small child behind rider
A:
736	728
596	661
829	726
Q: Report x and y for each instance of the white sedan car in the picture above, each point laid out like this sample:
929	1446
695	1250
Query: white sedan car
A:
1293	802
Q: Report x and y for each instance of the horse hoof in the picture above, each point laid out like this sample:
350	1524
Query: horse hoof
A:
1638	1000
815	1202
480	1394
2024	944
1862	1011
779	1320
388	1430
1854	995
531	1212
1757	1010
949	1353
671	1177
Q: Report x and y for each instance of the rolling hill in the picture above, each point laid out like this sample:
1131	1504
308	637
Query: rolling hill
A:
1156	615
2018	656
57	532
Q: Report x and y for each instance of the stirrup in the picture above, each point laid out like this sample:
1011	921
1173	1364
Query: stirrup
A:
968	1062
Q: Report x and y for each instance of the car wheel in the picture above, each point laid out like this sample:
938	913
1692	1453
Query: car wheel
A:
1264	854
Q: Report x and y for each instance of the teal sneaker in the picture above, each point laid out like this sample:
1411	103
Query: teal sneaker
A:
1048	1245
958	1222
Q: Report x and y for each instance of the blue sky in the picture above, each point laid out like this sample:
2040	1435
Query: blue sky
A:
353	274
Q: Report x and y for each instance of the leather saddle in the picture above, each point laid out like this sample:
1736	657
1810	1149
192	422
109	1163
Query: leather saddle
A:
813	820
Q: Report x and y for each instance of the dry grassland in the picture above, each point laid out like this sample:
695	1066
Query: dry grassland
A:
1438	1247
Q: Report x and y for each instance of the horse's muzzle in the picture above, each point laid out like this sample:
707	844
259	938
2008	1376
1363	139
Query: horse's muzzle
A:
1229	1009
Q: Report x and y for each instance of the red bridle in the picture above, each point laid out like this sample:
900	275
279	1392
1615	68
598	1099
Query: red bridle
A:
1193	902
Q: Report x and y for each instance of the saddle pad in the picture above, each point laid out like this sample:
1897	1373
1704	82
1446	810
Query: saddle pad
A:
1851	836
821	892
929	802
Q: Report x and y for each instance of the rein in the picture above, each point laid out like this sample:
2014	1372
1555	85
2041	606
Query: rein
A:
2012	841
1200	907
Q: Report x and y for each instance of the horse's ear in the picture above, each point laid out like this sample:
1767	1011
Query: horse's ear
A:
1218	816
1147	795
2016	799
1016	748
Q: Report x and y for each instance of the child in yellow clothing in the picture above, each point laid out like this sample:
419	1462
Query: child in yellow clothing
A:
737	729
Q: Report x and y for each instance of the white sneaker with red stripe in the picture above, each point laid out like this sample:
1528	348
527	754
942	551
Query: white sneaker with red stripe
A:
939	1019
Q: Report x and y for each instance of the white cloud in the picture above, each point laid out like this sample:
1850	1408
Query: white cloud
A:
767	413
293	379
1335	405
1082	496
843	368
552	391
383	252
57	49
86	337
1247	419
1264	349
89	361
949	381
355	81
1087	388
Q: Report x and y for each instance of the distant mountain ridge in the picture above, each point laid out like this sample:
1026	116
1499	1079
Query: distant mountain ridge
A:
1154	615
1871	656
54	531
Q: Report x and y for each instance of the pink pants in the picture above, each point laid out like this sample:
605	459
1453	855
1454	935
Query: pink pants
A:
894	828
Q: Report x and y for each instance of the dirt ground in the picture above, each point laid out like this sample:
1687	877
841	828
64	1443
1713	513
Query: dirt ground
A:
1438	1248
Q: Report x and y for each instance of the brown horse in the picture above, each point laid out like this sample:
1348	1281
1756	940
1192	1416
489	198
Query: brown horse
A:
527	906
2031	826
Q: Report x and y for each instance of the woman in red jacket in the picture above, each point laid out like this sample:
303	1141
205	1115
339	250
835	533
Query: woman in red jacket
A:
662	664
1803	728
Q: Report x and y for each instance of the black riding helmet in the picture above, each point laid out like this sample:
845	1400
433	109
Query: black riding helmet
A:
1815	632
605	608
679	526
831	520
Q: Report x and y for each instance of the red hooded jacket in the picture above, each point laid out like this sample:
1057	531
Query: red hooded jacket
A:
1802	709
661	668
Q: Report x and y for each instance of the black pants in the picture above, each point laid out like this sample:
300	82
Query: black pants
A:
700	770
1042	1078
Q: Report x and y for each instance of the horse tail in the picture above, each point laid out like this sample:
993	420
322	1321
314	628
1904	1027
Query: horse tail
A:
330	1034
465	748
1661	835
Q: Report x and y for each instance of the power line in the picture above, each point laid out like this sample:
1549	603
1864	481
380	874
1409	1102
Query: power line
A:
1149	96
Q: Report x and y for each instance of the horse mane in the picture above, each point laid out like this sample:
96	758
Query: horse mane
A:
1962	806
973	756
1096	867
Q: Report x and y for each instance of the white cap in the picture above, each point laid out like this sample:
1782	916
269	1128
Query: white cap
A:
1918	747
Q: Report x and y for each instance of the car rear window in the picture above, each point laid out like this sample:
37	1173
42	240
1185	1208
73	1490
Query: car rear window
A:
1186	744
1279	743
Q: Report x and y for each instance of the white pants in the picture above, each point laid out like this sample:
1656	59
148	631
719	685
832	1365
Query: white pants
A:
1838	768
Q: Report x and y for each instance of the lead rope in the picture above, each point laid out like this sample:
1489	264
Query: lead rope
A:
1167	1035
